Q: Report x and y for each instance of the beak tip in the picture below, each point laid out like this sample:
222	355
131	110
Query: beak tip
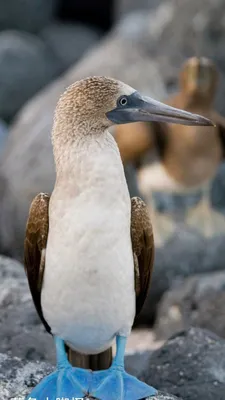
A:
208	122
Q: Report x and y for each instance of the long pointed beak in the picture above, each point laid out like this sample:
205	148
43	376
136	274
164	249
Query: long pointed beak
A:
140	108
153	110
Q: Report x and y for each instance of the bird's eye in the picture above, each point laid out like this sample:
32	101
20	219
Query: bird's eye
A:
123	101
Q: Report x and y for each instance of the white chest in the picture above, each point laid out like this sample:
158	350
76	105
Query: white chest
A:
88	292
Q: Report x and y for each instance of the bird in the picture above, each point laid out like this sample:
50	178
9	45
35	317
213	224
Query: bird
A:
188	156
89	248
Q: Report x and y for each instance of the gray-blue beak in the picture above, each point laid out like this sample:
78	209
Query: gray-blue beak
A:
135	108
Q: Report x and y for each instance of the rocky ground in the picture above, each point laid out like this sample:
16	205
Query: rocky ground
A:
197	301
189	366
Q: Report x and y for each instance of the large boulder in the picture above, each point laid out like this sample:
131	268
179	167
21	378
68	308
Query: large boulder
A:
198	301
27	164
26	66
99	13
185	254
26	15
3	134
127	6
21	332
69	41
190	365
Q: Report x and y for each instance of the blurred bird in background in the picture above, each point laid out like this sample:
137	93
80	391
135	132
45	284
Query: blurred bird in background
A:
177	184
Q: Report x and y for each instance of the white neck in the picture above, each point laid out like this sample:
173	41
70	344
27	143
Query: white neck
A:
87	162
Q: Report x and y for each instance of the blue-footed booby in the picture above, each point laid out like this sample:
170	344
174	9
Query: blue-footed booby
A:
89	248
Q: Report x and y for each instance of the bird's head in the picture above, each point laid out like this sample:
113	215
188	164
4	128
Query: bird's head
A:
199	77
96	103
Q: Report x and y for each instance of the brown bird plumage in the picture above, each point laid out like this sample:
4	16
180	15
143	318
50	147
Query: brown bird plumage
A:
34	261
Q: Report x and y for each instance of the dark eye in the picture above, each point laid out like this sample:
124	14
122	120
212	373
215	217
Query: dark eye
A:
123	101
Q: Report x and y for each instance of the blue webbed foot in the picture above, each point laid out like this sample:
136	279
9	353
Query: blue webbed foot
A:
66	383
116	384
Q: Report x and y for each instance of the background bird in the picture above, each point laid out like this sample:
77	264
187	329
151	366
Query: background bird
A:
187	157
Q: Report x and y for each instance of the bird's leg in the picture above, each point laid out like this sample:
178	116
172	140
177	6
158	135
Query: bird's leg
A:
115	383
118	361
66	382
61	356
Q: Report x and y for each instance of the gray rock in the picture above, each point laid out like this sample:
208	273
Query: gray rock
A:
185	254
21	332
18	377
124	8
69	42
3	134
198	301
137	363
190	365
25	67
26	15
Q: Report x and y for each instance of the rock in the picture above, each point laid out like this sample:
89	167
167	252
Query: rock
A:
25	67
99	13
33	126
21	332
190	365
125	7
3	134
26	15
185	254
69	41
137	363
18	377
198	301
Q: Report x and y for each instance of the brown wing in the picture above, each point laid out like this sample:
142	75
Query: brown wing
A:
34	248
143	249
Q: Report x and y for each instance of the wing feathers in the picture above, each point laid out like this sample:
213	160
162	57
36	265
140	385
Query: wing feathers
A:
143	249
34	248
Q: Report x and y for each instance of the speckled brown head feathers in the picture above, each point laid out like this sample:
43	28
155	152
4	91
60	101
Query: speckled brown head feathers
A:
83	105
199	76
